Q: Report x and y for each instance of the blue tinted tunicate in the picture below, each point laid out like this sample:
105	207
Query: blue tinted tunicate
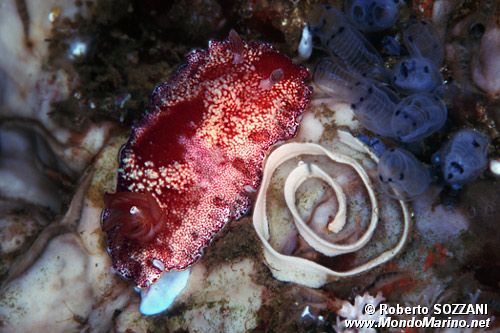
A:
416	75
464	157
402	175
372	15
391	45
373	106
421	40
418	116
342	39
332	77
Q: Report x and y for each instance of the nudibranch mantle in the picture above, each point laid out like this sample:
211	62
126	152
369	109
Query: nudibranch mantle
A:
189	165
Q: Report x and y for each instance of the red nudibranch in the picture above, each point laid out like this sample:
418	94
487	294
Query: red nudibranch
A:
188	166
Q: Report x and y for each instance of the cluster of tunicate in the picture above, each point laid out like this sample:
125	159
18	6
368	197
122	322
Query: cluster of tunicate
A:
403	103
351	71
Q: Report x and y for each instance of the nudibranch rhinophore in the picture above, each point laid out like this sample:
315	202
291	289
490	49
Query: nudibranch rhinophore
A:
189	165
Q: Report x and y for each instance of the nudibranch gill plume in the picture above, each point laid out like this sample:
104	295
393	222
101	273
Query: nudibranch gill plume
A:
189	165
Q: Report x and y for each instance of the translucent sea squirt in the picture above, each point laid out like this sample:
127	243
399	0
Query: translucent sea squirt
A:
185	169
